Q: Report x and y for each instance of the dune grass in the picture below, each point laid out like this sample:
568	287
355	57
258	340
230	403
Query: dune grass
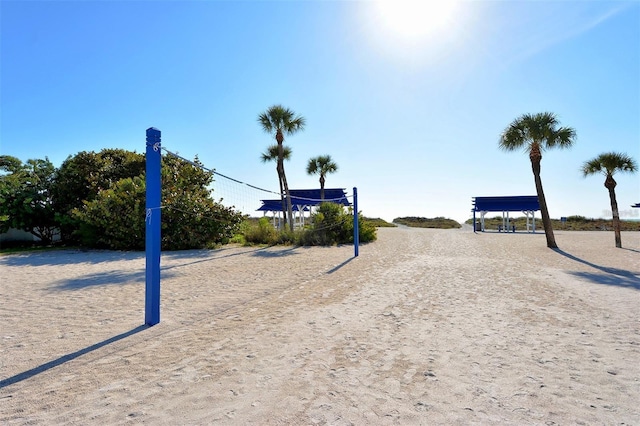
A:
573	223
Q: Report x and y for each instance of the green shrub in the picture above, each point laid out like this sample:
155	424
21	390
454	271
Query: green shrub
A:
379	223
115	219
573	223
332	225
423	222
259	232
329	225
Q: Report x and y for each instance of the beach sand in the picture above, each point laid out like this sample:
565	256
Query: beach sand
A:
424	327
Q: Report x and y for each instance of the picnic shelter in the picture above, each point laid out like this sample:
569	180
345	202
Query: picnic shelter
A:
527	204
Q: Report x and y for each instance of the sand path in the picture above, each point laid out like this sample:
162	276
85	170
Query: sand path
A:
424	327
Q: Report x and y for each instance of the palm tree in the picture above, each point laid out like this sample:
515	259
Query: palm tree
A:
534	133
321	165
278	121
272	155
608	164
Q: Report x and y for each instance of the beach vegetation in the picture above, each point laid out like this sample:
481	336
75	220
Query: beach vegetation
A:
259	231
321	165
280	121
423	222
332	225
329	225
97	200
535	133
573	223
191	218
608	164
25	197
80	179
379	223
114	219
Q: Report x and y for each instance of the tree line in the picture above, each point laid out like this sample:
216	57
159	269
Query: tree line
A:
98	200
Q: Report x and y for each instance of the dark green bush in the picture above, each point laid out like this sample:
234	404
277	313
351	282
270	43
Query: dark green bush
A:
259	232
115	218
332	225
423	222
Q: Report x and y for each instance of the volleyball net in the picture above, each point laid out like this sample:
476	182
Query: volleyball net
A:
244	198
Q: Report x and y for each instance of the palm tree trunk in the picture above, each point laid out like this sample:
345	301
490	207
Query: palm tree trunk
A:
284	206
280	170
544	211
610	184
322	180
283	178
286	192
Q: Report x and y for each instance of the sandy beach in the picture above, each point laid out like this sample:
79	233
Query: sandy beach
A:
425	327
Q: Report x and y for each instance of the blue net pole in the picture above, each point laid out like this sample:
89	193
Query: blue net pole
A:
152	229
356	231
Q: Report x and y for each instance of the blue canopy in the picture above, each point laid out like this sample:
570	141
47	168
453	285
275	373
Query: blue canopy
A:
527	204
276	206
311	197
506	204
306	198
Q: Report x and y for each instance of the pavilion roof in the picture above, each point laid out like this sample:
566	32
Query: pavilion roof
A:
306	198
276	206
506	204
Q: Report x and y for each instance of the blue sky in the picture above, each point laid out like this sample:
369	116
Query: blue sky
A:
411	117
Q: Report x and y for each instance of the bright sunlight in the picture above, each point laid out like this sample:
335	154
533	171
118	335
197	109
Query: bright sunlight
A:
416	19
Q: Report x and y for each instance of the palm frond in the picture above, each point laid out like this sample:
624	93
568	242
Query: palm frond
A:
322	165
564	137
539	129
513	137
280	118
591	167
271	154
609	163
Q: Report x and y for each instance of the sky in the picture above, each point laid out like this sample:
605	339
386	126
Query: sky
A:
409	99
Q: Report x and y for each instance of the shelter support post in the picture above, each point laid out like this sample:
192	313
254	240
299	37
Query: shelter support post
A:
474	221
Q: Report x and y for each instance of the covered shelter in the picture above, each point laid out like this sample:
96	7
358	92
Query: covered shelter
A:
275	208
527	204
304	200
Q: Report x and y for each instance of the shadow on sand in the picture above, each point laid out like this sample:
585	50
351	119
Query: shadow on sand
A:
607	275
276	253
335	268
69	257
630	249
66	358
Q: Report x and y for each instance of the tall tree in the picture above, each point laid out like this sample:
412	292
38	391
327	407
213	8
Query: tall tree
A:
280	121
82	176
535	133
321	165
25	197
608	164
272	155
115	217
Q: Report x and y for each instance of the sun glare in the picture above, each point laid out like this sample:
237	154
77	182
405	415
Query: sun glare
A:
416	19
